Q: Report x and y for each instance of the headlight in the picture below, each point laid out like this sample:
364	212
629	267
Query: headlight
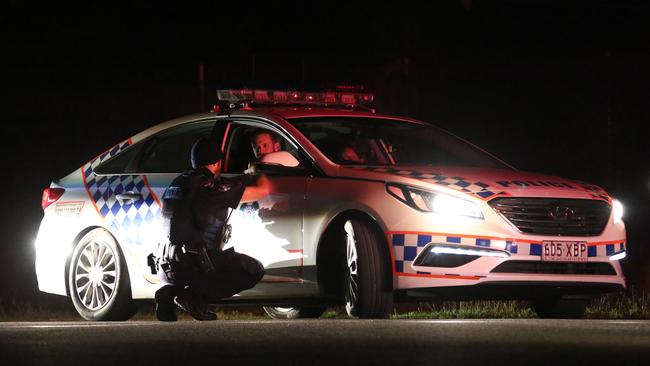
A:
439	203
617	207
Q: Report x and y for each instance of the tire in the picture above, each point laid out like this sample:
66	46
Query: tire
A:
98	278
558	308
367	281
296	312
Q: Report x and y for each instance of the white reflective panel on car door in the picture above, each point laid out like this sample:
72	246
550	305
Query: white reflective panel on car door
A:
270	230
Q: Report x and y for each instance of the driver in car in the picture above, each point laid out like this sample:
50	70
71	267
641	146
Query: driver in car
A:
265	142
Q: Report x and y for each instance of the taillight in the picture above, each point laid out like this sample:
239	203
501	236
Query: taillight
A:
51	195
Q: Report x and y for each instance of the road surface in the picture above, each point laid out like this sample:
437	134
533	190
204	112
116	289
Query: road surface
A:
328	342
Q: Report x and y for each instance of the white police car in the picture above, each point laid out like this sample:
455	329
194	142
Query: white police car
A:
365	209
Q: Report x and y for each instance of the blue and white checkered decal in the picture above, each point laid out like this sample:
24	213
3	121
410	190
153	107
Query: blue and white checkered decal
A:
135	220
480	189
406	247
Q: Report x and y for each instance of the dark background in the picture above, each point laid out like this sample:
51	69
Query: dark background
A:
555	87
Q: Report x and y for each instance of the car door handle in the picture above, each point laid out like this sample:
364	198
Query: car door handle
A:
128	197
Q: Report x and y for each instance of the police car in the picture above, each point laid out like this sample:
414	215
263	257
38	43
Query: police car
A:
365	209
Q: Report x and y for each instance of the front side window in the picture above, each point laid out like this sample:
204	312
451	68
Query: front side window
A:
248	144
376	141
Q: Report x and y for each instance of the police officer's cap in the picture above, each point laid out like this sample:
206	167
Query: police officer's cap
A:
206	152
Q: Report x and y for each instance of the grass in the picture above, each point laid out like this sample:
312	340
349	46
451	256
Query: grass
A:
630	305
626	305
468	310
46	308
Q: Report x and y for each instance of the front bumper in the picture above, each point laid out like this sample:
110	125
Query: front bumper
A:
516	261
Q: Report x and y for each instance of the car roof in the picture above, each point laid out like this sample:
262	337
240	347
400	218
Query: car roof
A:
274	111
302	112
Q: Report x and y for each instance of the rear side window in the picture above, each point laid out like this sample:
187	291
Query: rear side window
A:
170	150
123	163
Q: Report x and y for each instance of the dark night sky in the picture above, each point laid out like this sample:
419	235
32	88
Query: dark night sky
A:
556	87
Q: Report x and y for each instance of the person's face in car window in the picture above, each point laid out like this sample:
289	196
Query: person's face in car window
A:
264	143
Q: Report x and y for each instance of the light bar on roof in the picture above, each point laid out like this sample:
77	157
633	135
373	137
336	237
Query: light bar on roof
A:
326	98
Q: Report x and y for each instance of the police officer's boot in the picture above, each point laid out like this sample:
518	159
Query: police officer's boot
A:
192	304
165	307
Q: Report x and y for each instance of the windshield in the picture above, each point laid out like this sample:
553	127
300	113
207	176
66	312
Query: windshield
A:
375	141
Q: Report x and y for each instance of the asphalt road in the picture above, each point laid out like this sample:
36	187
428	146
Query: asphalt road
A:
329	342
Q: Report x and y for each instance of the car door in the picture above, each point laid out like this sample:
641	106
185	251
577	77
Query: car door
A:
269	229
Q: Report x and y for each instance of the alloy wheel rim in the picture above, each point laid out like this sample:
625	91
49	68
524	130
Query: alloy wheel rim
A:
351	277
95	275
283	310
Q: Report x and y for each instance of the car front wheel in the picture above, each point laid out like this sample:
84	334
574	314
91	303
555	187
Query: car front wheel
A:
98	278
368	287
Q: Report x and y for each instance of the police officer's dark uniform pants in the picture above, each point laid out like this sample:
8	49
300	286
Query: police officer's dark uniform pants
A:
233	272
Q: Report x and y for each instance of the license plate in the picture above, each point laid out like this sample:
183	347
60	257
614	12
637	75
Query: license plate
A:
564	251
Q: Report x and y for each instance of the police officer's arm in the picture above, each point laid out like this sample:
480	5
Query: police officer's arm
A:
258	191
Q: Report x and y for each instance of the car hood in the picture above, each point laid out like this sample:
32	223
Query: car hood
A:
481	183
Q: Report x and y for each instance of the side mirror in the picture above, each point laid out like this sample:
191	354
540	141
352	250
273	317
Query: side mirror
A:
281	158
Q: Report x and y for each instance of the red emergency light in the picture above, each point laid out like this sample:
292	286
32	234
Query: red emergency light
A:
344	98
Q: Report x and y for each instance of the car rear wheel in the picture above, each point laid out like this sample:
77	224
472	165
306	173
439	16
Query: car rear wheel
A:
98	278
368	289
295	312
558	308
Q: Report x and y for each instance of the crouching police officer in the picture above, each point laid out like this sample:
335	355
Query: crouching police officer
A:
192	263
